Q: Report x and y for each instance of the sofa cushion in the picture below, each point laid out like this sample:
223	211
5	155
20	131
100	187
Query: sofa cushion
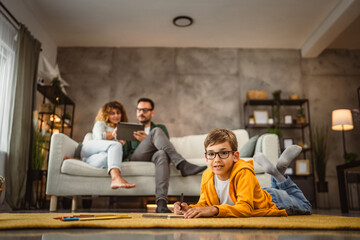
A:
248	149
80	168
189	146
193	146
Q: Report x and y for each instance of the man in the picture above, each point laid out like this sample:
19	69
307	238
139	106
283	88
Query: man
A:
153	145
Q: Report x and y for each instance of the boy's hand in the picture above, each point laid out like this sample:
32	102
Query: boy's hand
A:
184	208
201	212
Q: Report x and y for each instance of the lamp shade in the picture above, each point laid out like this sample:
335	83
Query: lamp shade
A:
342	120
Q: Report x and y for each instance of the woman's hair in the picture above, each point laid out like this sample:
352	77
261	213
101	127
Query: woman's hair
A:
219	135
104	112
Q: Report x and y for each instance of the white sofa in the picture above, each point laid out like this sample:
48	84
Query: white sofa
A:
75	178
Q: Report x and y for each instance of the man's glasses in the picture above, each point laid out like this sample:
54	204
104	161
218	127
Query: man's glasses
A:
222	154
144	110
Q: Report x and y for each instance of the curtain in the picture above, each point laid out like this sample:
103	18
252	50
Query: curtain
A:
27	55
7	91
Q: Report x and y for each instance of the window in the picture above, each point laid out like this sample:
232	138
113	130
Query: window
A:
7	82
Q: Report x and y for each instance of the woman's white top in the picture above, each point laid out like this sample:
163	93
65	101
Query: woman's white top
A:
99	130
222	191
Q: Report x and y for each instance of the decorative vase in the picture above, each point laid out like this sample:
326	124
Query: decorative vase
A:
36	175
323	195
322	186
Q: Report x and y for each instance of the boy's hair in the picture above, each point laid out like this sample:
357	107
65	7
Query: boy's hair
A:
220	135
147	100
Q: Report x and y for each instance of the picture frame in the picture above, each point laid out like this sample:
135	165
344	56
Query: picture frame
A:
288	119
288	142
261	116
302	167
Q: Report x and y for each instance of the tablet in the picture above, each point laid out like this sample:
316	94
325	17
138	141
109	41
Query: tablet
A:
125	131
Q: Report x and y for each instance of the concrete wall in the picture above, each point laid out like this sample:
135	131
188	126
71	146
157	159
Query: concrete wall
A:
198	89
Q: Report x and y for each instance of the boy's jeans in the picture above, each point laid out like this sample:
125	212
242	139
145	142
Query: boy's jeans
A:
287	195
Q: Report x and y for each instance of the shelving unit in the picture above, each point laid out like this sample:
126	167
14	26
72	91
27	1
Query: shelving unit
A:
300	133
51	119
59	101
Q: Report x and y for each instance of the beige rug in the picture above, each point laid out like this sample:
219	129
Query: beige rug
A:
46	220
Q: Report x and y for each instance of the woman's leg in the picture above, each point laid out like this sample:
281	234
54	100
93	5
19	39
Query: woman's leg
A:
106	154
114	160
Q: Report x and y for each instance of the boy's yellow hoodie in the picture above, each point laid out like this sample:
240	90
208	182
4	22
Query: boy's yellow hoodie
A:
244	190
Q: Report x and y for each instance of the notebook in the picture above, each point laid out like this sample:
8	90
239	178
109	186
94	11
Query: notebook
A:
125	131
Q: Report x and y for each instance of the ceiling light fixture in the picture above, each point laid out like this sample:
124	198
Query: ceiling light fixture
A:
183	21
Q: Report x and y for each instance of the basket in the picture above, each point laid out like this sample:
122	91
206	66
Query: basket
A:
256	94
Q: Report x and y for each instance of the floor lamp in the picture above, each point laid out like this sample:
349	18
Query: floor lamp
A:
342	121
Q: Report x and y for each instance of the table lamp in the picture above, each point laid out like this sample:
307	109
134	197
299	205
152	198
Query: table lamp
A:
342	121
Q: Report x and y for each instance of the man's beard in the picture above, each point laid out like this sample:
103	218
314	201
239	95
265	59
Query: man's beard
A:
145	121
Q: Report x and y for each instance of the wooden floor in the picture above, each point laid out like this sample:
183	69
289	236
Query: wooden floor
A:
180	234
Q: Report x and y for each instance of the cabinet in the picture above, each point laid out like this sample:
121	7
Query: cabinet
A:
55	115
294	128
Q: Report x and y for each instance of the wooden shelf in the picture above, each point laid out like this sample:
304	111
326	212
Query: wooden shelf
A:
299	132
269	102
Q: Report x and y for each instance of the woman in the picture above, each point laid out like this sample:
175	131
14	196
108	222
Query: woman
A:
104	151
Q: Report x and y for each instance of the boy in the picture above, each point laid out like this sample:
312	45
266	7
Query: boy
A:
229	187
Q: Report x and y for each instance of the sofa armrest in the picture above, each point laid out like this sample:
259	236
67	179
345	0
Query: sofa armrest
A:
60	146
268	144
270	147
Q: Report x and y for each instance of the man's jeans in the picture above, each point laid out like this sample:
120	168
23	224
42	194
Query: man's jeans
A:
287	195
157	148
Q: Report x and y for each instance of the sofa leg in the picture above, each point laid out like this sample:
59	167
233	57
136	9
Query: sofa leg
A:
73	204
53	203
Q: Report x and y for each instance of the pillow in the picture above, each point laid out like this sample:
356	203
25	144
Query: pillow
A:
248	149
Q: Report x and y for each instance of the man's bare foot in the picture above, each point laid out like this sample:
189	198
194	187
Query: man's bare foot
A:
121	183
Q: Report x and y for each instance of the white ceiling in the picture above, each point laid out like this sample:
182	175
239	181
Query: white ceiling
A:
308	25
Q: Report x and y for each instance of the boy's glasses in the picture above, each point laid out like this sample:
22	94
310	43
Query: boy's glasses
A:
222	154
144	110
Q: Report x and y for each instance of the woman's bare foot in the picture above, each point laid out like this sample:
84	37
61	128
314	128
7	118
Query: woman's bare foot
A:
115	184
117	181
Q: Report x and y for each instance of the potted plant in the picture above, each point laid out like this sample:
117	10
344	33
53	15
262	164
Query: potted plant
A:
276	113
301	119
38	156
319	149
